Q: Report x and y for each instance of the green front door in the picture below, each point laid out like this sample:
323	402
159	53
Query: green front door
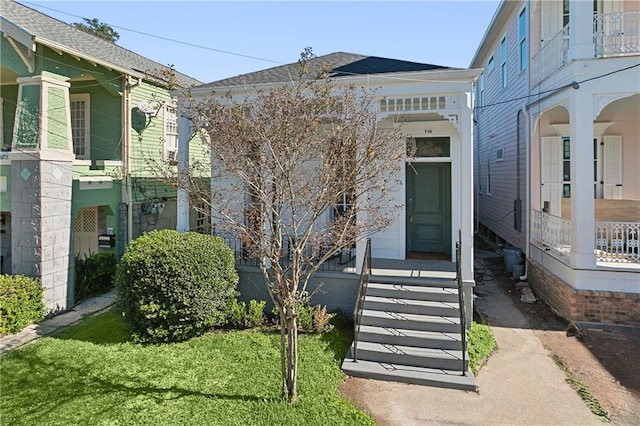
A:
429	207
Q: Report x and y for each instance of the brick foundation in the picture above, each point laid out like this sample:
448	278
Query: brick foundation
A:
583	305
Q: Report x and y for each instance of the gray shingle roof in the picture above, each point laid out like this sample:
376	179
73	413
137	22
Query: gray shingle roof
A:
340	64
45	28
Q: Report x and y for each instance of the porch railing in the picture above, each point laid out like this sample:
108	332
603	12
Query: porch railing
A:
618	242
551	56
616	34
552	231
362	292
340	261
461	301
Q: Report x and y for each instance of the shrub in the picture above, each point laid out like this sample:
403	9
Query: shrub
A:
94	274
481	345
312	319
322	319
20	303
172	286
242	315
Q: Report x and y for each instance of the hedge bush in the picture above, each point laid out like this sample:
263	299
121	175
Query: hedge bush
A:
173	286
242	315
20	303
94	274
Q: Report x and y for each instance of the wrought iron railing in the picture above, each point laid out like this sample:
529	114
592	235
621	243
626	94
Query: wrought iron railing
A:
461	301
552	55
362	292
616	34
617	242
341	261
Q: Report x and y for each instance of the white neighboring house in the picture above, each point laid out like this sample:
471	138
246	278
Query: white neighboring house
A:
558	150
434	104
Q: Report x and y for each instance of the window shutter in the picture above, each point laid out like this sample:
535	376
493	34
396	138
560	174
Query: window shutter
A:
552	174
551	20
612	167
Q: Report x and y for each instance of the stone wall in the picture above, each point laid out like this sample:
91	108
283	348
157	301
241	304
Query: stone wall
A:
583	305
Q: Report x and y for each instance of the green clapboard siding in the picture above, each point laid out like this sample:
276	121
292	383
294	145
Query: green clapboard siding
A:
57	115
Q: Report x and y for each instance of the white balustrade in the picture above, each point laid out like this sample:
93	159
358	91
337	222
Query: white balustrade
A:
616	34
617	241
552	231
551	56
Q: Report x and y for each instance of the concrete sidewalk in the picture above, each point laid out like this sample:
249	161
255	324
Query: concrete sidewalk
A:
520	385
52	325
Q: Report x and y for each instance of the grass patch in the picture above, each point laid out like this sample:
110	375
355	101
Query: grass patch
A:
94	374
591	401
480	345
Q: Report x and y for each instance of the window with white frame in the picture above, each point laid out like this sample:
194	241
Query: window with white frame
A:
499	154
503	61
522	39
170	136
79	107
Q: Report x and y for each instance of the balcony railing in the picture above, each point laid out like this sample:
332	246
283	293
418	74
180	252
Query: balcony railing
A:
616	34
617	242
553	55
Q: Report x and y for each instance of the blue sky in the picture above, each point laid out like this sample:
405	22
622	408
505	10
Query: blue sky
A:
263	34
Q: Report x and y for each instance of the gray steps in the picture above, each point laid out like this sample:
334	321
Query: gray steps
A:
411	321
416	338
414	292
426	307
410	332
446	359
407	374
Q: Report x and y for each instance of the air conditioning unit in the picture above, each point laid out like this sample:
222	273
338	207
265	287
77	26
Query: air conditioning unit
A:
172	156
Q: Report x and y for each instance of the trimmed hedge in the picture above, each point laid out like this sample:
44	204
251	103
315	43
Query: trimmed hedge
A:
94	274
20	303
173	286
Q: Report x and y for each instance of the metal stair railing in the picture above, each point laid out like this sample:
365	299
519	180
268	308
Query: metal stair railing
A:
362	291
463	314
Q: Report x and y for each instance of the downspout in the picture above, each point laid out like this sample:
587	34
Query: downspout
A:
126	120
527	191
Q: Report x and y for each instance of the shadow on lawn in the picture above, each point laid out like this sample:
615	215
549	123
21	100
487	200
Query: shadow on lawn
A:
55	385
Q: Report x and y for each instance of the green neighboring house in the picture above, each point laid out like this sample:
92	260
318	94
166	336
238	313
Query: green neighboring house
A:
82	122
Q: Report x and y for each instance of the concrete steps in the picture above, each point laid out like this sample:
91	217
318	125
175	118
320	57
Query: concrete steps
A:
410	332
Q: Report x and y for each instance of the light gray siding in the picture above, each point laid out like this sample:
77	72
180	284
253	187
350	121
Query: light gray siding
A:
496	129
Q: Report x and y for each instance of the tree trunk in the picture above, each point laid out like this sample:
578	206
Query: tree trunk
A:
292	359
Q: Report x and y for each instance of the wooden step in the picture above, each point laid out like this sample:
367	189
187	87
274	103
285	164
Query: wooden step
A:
407	374
417	338
411	321
414	292
420	281
447	359
410	306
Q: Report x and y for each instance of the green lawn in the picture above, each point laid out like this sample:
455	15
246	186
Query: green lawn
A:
93	375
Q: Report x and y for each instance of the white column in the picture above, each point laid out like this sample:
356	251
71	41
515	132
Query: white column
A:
184	133
465	126
582	202
581	44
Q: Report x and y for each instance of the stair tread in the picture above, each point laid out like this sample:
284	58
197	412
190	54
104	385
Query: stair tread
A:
410	350
400	332
412	302
409	374
411	317
419	281
411	288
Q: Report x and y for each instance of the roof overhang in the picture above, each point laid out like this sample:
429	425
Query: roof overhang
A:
370	80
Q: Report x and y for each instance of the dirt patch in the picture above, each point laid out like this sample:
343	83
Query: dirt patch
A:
603	358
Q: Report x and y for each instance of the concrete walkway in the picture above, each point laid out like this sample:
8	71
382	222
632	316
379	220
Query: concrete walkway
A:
520	385
52	325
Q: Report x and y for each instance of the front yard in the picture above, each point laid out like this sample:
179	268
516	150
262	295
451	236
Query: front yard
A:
93	374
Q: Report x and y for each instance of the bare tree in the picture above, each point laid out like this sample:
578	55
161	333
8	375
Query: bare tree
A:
299	171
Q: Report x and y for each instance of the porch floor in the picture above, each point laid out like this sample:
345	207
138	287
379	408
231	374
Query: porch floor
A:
413	268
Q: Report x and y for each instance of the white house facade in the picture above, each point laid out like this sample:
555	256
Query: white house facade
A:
566	161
